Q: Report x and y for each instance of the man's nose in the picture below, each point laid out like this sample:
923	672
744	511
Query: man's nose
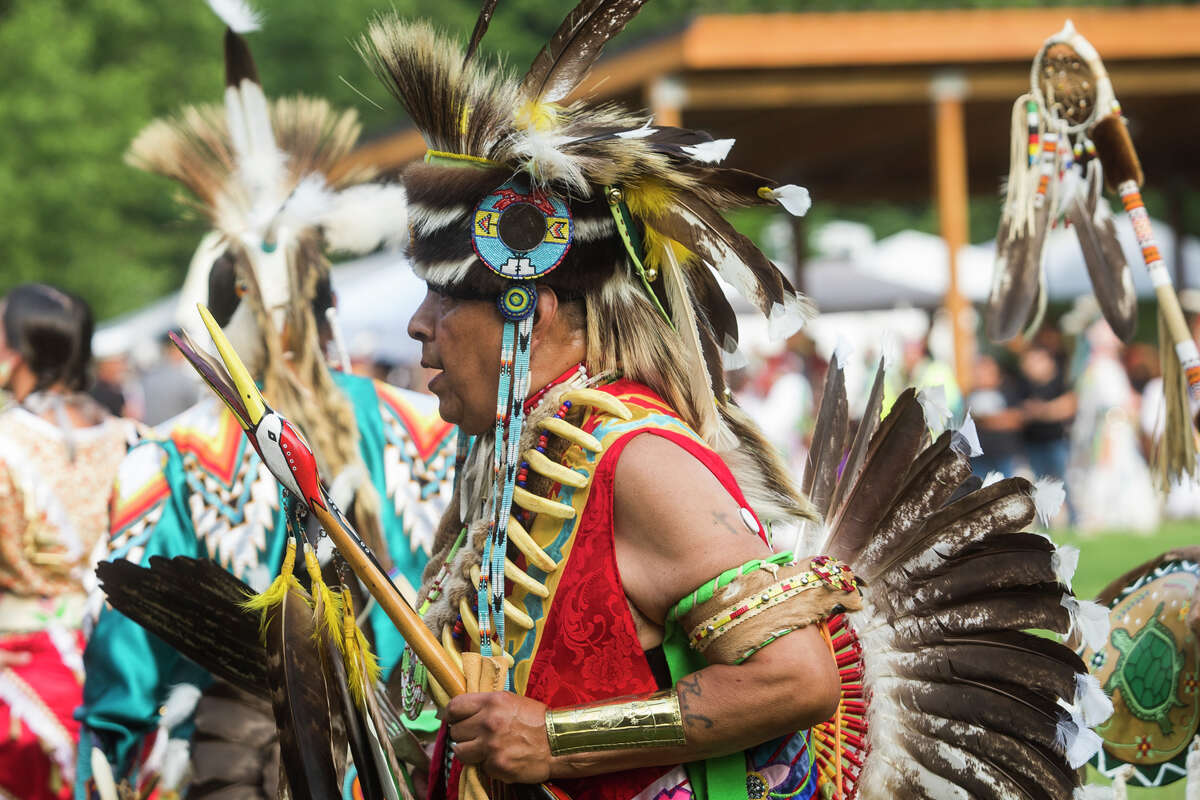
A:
420	325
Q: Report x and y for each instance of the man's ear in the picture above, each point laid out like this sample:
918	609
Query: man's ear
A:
545	314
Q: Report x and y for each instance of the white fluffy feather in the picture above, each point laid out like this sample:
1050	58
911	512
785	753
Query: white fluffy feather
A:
788	317
239	15
1094	705
795	199
937	411
995	476
1048	497
970	438
1065	561
365	217
176	764
1091	619
1077	741
308	203
181	702
713	152
1193	770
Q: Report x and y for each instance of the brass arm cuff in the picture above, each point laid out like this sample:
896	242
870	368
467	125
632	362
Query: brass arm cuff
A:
648	721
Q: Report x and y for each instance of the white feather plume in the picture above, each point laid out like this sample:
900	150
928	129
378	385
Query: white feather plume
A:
937	410
181	702
308	203
967	439
995	476
239	15
176	764
365	217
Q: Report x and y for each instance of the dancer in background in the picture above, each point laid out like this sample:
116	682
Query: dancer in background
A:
59	453
278	204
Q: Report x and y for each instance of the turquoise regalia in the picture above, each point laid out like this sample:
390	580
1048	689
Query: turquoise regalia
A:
202	491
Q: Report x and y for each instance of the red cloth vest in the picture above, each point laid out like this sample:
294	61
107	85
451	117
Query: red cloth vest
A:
589	648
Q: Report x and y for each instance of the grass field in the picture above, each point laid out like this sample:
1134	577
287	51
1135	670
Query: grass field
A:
1104	557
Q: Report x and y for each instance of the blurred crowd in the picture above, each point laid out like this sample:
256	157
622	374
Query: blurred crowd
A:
1085	410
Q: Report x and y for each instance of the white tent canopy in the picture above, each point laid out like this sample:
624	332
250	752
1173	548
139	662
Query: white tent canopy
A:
376	295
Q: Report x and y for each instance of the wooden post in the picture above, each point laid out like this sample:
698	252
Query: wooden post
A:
950	187
666	95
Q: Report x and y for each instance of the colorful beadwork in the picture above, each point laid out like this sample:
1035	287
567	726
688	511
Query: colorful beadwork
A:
517	302
1031	116
1049	153
824	571
521	233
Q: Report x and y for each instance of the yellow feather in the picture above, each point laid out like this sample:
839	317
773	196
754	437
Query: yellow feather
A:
266	601
649	198
327	608
362	667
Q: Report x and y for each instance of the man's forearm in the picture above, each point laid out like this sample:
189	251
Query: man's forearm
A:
723	709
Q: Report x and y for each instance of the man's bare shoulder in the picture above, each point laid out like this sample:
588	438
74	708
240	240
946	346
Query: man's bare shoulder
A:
675	524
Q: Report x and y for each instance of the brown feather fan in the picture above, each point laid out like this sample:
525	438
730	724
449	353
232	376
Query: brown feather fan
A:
1036	772
895	445
828	439
963	701
235	749
195	606
862	440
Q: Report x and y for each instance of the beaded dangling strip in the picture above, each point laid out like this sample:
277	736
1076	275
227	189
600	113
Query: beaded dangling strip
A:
510	419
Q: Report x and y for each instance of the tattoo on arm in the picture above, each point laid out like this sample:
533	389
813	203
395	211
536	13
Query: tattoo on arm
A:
689	687
721	518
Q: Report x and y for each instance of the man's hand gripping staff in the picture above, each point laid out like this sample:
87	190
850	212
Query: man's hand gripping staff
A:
292	462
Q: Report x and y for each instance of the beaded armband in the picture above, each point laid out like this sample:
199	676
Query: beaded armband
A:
647	721
742	610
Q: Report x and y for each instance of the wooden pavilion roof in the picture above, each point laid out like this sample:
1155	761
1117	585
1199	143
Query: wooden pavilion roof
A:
841	102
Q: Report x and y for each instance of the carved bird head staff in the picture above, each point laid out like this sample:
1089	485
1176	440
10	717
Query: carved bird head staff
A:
278	443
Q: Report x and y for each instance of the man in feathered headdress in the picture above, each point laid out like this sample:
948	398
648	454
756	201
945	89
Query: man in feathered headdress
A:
269	176
603	573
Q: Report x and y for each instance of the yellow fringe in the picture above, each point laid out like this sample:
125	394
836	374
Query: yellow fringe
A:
327	607
362	668
266	601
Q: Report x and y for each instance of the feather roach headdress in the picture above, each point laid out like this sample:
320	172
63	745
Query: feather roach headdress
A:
522	187
271	179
